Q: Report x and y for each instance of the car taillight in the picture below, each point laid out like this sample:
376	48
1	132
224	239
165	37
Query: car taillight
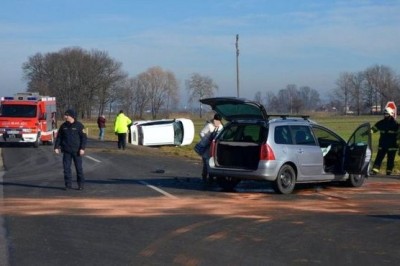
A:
266	153
212	148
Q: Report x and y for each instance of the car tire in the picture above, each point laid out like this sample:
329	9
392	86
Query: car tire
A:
227	183
355	180
285	180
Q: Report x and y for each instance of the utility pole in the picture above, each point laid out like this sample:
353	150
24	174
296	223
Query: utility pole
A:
237	64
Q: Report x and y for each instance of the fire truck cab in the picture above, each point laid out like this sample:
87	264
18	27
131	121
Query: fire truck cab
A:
28	118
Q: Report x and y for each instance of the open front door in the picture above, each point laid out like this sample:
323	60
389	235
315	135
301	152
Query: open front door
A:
359	150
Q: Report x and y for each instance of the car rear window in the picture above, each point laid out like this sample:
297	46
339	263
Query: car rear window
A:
244	133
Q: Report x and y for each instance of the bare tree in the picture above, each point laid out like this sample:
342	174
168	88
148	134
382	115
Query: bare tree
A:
357	81
172	94
289	100
79	79
162	89
141	99
258	97
381	85
106	76
271	102
200	87
344	89
309	98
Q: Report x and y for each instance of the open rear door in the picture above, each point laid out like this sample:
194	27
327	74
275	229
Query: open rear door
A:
359	150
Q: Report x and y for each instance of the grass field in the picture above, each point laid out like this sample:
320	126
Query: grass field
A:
343	125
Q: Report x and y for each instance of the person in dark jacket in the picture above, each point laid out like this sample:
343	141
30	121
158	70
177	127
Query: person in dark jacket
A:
388	128
101	123
71	141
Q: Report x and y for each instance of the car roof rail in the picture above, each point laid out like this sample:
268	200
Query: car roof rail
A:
285	116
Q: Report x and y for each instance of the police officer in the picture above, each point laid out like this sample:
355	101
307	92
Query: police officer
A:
71	140
388	128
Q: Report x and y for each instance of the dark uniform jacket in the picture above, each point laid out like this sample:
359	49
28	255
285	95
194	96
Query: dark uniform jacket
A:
388	129
70	137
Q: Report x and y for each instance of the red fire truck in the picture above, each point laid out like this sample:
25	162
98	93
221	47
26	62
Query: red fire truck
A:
28	118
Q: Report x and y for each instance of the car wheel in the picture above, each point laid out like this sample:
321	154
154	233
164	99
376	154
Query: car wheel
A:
227	183
355	180
286	180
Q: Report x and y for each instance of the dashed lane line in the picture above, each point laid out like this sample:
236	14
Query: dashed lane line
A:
158	190
93	159
143	183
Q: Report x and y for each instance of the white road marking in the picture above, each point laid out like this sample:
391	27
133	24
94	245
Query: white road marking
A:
142	182
158	190
93	159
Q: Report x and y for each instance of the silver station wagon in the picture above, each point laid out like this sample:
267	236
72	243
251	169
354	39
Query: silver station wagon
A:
283	149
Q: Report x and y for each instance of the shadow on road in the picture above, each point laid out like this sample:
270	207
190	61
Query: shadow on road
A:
386	217
29	185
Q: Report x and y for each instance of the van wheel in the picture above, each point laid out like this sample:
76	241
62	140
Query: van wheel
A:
286	180
355	180
227	183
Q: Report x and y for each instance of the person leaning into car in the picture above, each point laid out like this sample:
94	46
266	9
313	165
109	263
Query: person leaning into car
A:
121	127
208	132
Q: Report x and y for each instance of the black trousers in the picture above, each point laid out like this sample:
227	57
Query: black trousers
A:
67	162
391	154
121	140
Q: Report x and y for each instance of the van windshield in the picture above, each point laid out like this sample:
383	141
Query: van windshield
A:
18	111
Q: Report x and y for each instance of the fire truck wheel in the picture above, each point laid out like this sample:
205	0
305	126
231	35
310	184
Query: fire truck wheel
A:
51	141
36	143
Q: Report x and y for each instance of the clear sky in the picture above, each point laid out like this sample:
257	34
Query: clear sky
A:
281	42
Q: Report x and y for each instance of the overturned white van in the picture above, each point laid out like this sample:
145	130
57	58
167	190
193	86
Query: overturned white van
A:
176	132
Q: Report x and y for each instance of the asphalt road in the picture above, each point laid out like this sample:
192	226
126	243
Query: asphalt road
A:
142	208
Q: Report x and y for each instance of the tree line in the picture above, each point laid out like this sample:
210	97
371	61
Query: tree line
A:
290	100
92	83
363	92
367	91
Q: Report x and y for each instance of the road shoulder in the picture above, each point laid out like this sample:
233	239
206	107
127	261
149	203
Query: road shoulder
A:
3	239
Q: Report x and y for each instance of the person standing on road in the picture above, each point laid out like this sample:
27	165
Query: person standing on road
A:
207	134
101	123
71	141
121	127
388	128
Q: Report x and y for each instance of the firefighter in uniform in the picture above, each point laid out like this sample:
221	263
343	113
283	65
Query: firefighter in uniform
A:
71	140
388	128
